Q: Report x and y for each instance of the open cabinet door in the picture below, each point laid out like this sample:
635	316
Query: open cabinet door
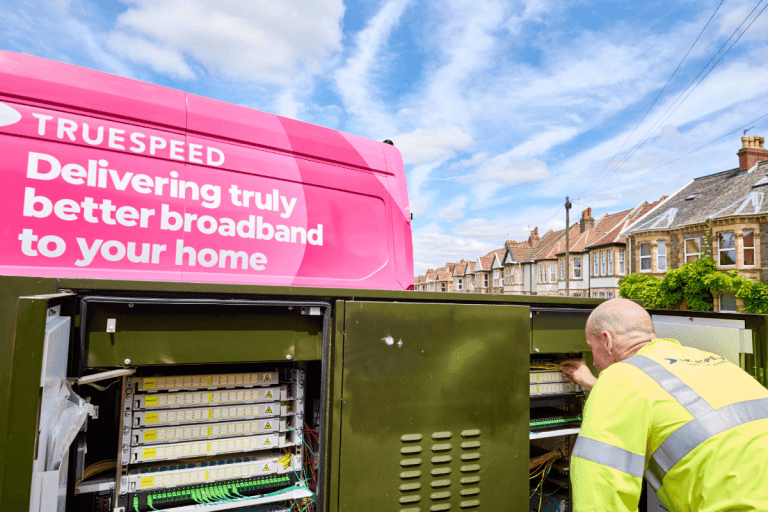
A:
35	461
435	407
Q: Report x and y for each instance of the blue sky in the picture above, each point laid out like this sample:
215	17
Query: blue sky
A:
500	109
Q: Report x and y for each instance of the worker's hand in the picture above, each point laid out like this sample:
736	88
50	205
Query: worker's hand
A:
577	371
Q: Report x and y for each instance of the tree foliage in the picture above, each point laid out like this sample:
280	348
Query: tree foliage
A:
696	285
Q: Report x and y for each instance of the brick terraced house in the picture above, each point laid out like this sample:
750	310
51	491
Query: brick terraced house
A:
722	215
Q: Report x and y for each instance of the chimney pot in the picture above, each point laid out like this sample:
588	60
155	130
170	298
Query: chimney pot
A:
752	151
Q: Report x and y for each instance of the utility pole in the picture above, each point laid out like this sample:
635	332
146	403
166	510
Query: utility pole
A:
567	247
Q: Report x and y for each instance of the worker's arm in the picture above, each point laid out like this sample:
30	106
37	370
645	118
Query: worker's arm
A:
577	371
609	457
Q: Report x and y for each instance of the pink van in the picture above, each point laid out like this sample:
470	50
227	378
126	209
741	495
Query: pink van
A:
112	178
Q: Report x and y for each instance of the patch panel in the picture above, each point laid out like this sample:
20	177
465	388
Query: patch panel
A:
554	388
229	396
211	414
192	382
183	433
205	448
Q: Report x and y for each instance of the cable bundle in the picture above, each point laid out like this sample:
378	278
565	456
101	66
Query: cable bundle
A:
541	466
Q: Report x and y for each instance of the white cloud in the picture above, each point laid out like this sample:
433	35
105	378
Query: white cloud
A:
455	210
270	41
161	60
433	248
514	172
428	145
476	160
356	80
497	232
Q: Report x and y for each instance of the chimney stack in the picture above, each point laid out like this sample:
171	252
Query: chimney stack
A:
752	151
534	238
586	222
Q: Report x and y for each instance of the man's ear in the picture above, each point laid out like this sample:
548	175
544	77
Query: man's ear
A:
607	339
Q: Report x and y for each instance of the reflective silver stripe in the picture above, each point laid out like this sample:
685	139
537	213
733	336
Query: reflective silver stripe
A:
692	434
679	390
609	455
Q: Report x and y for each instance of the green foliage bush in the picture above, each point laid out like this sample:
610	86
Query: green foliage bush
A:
696	284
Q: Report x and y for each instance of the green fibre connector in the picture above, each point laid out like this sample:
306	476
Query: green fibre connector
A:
136	504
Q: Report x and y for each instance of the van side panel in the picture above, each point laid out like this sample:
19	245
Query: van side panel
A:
227	194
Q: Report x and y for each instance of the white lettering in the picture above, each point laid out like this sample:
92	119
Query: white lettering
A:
177	149
156	143
115	136
33	163
99	135
88	253
195	153
41	119
60	246
287	206
73	173
140	147
26	237
213	162
65	126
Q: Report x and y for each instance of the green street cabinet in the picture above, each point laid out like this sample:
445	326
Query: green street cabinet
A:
136	396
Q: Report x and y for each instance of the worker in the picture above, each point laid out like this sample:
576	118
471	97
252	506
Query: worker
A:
690	422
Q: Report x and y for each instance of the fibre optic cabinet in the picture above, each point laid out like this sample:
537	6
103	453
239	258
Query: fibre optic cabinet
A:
137	401
174	396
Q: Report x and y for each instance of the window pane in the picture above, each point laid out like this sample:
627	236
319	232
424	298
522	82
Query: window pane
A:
645	263
661	253
645	249
728	301
749	257
728	257
749	238
692	246
691	259
662	249
726	240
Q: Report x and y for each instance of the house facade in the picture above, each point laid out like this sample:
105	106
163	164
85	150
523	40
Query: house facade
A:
723	216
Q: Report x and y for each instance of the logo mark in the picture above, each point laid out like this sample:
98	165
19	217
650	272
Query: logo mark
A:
671	361
8	115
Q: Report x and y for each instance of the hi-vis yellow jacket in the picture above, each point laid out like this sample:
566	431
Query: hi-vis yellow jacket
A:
690	422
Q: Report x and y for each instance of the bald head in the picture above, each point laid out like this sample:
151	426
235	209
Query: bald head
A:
616	330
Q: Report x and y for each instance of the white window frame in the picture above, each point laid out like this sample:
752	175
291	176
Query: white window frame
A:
577	268
511	275
577	295
610	262
687	254
609	295
720	304
562	269
595	264
541	274
622	261
602	295
460	284
602	263
744	248
553	272
443	287
661	255
648	257
486	279
720	251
